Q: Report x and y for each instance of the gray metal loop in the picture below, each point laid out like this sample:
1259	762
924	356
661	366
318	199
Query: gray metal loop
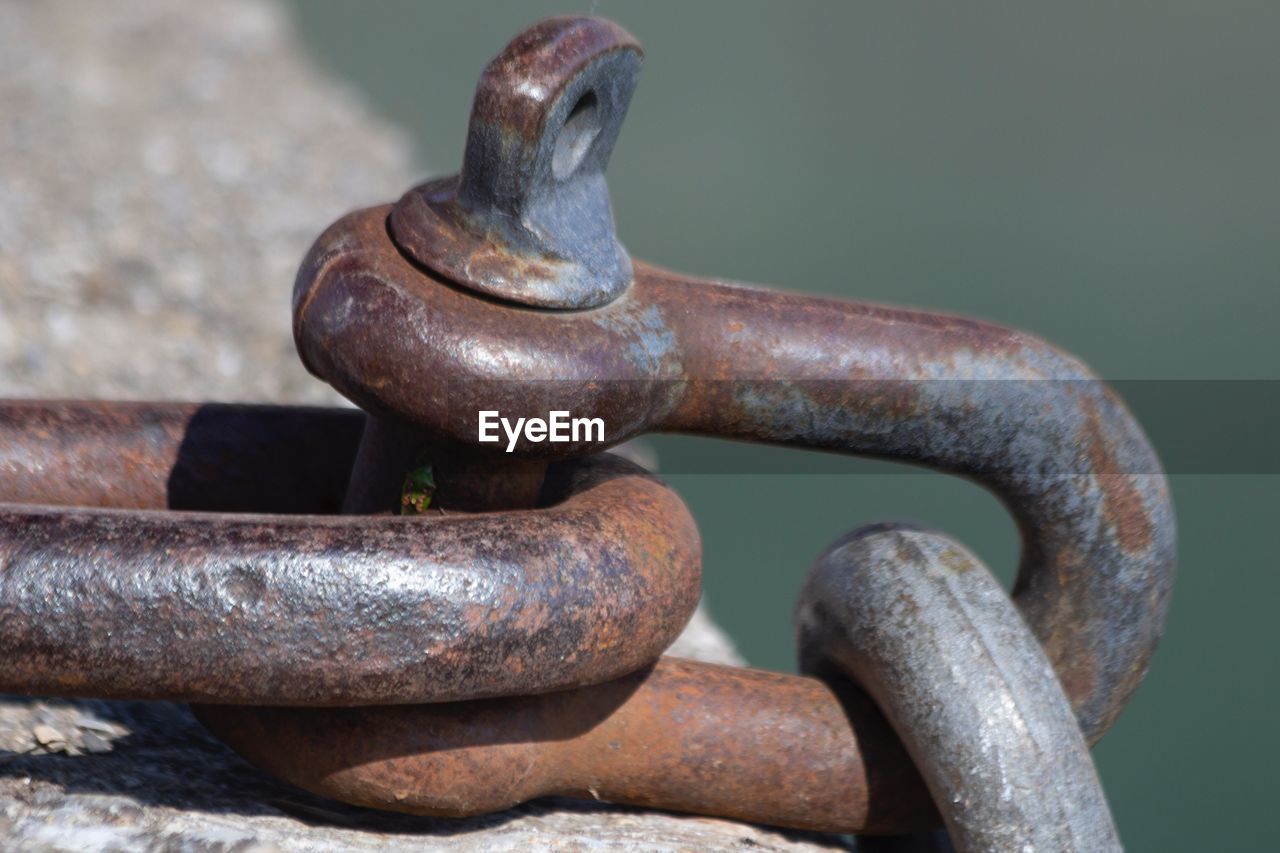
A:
921	625
528	220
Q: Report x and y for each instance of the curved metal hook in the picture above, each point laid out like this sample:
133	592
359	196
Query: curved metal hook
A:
924	628
682	354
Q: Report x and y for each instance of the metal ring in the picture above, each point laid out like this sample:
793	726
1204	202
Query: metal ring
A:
312	610
925	629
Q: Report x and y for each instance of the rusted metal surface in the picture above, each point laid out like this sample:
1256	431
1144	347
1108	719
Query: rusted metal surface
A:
680	735
551	569
925	628
471	483
678	354
528	220
304	610
186	456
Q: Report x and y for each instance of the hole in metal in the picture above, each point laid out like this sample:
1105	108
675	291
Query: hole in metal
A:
576	136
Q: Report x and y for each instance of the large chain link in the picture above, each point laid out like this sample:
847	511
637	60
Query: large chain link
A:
504	649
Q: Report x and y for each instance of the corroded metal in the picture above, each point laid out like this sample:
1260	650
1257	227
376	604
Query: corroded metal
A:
552	568
923	626
528	220
680	354
679	735
303	610
210	457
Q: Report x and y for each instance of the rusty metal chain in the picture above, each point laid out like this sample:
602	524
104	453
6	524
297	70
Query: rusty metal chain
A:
250	559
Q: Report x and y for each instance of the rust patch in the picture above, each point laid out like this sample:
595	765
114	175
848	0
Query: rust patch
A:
1122	505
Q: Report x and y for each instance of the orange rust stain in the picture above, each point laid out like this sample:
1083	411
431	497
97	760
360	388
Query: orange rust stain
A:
476	617
1121	504
1078	678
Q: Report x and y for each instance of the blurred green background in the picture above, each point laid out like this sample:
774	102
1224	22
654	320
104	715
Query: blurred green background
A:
1104	175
